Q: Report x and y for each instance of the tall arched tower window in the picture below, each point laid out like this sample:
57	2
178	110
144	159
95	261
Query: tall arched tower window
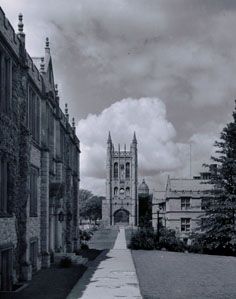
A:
115	191
115	170
127	191
127	170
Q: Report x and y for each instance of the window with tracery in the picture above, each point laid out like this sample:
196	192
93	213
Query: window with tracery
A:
115	170
127	170
115	191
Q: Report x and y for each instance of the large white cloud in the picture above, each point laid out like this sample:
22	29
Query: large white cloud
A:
181	51
103	51
158	152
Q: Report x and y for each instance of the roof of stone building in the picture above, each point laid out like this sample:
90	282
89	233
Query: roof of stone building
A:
143	188
37	61
188	185
159	196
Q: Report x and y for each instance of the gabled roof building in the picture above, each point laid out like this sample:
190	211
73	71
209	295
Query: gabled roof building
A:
182	204
39	163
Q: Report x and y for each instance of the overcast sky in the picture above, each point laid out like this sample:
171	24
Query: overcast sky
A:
164	68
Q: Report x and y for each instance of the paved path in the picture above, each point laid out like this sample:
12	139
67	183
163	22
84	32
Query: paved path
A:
120	242
115	276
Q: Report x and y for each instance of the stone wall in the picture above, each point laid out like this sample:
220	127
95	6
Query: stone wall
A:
18	228
8	231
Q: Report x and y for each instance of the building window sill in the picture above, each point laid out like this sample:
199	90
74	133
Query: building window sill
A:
5	215
33	215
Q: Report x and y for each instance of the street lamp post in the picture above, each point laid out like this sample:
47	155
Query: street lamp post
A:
158	233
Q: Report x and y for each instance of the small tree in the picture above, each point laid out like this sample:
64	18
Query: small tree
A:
90	205
93	209
219	220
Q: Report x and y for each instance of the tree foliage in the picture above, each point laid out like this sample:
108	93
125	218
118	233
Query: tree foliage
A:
219	220
145	210
90	205
145	238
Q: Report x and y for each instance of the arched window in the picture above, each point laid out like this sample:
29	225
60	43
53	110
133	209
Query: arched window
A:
127	191
127	170
115	191
116	170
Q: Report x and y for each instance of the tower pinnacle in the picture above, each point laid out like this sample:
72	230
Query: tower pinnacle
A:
47	48
20	24
21	33
134	139
109	138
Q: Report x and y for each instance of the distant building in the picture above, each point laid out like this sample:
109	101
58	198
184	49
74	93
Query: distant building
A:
39	163
182	204
143	189
121	203
145	204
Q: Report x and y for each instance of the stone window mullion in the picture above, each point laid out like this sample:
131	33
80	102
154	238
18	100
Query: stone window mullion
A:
3	186
1	81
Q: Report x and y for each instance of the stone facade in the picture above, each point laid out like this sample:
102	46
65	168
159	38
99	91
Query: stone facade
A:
121	203
39	159
181	205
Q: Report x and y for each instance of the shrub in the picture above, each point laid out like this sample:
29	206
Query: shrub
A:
84	246
147	239
143	238
204	243
85	235
170	241
94	228
65	262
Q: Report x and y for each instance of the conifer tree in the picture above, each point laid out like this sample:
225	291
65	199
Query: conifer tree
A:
219	221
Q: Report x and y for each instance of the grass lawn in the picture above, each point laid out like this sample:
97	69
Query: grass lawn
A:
128	233
103	238
171	275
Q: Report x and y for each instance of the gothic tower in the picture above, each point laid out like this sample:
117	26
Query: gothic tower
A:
121	203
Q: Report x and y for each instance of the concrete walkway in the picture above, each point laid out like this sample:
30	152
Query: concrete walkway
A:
115	276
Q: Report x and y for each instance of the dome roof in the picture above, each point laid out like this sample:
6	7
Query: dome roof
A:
143	188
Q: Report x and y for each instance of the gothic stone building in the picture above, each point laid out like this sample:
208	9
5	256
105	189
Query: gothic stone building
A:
39	163
121	203
181	206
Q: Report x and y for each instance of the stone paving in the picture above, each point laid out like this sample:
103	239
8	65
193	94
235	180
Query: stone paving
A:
115	276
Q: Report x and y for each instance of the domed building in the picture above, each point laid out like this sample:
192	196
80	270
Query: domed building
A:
143	188
145	204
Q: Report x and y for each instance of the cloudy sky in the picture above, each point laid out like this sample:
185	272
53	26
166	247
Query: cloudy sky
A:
164	68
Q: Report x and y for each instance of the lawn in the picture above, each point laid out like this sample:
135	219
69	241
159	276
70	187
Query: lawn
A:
171	275
128	234
104	238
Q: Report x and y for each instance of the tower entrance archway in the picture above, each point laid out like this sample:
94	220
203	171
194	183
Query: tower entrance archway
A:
121	217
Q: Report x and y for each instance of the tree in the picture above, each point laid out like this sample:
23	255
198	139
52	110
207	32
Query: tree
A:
84	195
145	210
219	221
90	205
